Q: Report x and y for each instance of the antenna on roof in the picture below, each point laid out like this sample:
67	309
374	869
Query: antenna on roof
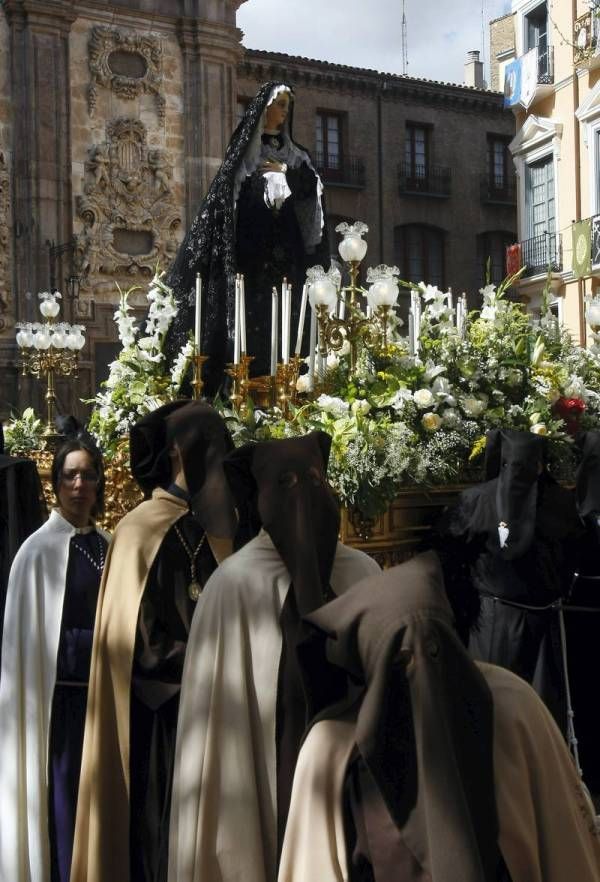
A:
404	40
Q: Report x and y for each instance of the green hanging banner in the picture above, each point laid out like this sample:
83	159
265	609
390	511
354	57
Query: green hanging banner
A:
582	249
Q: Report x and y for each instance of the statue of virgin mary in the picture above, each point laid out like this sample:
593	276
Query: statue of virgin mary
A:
263	216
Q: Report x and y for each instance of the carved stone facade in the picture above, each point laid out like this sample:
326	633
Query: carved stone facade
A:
5	245
128	209
129	64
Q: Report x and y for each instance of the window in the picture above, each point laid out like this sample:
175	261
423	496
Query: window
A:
419	251
416	150
328	140
539	197
536	36
492	247
499	163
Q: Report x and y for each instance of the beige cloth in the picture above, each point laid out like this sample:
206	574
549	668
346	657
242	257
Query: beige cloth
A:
547	825
224	811
101	845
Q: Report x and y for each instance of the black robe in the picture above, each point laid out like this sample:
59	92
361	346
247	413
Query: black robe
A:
526	641
22	512
163	626
70	695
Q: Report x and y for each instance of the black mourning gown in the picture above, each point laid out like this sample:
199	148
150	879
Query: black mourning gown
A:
374	845
70	694
269	247
163	627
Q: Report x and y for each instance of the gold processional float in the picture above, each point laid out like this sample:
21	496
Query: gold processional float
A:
51	349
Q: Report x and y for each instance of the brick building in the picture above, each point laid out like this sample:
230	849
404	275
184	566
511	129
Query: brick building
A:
114	117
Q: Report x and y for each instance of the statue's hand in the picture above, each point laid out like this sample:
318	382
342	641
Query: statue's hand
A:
271	165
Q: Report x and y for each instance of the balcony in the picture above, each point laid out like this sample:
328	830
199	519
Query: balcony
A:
341	171
498	190
541	254
421	180
586	48
529	78
596	241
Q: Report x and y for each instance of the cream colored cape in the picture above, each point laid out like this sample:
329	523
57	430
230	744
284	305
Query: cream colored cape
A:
224	812
547	829
34	607
101	846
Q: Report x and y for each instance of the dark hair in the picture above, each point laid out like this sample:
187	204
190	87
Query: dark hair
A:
86	443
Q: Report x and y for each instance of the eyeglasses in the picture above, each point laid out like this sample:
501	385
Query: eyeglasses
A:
87	477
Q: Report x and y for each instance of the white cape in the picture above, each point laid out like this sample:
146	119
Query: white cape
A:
224	812
34	605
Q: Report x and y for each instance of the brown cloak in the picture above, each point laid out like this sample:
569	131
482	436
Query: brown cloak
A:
101	847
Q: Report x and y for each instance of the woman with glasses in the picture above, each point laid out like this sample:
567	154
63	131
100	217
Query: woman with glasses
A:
48	630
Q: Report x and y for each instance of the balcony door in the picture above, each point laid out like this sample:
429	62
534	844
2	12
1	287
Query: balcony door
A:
539	197
536	23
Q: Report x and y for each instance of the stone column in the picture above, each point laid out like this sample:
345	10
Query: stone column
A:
40	148
211	51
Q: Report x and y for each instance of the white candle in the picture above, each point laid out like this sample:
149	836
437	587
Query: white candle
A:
198	316
274	340
302	319
411	331
285	322
311	348
236	326
342	309
243	316
288	321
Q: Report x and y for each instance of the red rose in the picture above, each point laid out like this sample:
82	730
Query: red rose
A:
569	410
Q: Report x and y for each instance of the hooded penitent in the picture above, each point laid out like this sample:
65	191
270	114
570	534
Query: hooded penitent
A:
242	710
423	715
234	232
298	510
156	565
422	764
521	529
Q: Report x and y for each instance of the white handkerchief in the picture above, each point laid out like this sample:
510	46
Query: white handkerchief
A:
503	532
276	189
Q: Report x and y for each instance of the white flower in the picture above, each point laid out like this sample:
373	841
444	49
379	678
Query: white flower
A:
473	407
431	422
303	383
345	348
335	406
332	360
400	398
535	418
361	405
450	417
575	388
433	370
423	398
539	429
442	389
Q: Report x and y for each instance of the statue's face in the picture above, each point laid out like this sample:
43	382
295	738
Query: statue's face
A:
277	111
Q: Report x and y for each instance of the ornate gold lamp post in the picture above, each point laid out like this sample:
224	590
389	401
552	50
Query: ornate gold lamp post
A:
49	349
348	324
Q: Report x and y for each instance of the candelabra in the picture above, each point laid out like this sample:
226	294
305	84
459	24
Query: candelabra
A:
198	362
286	378
351	326
239	372
50	349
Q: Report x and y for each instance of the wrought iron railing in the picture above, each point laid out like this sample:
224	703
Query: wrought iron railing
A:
498	189
542	253
545	65
596	240
429	180
342	170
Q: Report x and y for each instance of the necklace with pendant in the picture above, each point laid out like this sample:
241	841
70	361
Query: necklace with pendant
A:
194	588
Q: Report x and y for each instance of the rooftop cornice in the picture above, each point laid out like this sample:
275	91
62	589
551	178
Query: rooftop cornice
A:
262	65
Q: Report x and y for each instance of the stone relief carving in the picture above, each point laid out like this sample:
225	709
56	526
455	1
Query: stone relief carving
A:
130	219
4	240
128	64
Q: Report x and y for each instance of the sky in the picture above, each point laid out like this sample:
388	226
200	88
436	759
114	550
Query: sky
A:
368	33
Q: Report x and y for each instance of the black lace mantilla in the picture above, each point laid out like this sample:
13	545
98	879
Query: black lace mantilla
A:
209	247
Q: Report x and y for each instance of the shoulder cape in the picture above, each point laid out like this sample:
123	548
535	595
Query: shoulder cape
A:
547	826
36	590
101	845
224	812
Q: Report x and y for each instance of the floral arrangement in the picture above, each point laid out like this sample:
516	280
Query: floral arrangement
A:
137	382
402	419
24	434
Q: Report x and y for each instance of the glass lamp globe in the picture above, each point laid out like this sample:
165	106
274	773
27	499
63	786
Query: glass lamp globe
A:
593	314
49	308
353	247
